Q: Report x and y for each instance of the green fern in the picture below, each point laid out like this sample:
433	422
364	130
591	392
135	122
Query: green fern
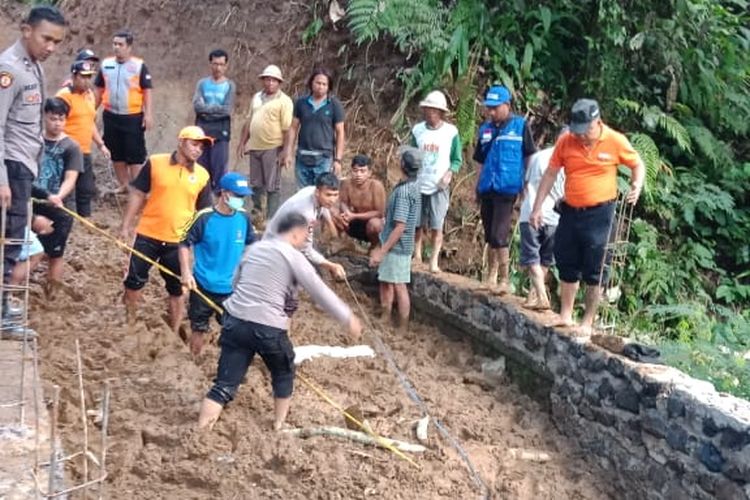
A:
676	131
363	19
649	153
715	150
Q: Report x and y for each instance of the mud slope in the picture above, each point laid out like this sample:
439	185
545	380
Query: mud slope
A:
157	386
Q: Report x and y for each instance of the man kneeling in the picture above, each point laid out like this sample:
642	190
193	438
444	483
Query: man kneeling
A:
255	320
362	202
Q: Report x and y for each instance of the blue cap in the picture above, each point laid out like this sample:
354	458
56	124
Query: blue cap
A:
496	96
236	183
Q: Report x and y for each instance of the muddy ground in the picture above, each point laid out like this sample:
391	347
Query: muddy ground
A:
155	452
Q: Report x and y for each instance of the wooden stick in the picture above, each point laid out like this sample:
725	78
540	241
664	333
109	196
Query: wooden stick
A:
53	438
359	437
84	419
79	487
105	423
35	395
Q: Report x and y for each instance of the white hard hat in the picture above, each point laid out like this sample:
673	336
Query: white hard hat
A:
435	99
273	71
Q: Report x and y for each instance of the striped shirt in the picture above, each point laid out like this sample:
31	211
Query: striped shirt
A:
404	205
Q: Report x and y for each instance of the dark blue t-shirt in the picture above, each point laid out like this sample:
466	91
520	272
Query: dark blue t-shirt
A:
317	131
219	242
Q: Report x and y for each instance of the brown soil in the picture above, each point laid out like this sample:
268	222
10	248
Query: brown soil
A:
155	452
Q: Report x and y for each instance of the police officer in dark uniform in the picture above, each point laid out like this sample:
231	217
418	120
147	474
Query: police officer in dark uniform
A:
21	101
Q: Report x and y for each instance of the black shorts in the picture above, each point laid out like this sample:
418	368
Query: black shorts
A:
240	341
162	252
62	223
358	229
125	138
581	242
199	312
496	212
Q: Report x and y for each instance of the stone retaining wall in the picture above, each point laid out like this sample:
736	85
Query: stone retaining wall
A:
665	434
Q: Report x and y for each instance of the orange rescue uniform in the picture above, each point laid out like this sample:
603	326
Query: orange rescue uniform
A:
81	120
591	172
173	191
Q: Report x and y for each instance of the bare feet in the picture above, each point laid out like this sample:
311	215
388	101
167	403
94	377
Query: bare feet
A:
560	322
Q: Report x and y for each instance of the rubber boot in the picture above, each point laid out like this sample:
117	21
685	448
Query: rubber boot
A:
273	200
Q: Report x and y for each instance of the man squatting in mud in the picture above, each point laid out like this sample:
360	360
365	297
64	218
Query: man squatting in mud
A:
256	320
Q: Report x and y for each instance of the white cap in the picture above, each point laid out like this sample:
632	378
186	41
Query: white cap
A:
435	99
273	71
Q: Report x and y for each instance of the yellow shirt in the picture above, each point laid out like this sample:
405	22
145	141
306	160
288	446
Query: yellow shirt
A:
269	120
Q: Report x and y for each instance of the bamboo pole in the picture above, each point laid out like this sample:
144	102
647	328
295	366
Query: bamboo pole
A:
84	419
105	424
359	437
53	438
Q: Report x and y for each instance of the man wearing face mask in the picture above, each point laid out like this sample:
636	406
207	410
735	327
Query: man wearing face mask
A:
170	188
218	236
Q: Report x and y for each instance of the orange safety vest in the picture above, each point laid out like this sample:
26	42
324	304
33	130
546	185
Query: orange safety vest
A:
82	117
123	94
172	198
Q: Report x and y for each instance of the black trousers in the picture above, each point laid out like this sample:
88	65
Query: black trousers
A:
85	188
16	215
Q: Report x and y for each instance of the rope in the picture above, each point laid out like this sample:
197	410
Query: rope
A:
317	390
133	251
414	396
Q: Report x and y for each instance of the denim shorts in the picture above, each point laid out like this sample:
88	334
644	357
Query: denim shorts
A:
307	174
537	245
240	341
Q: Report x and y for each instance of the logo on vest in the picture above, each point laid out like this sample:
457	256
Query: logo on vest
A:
6	79
192	179
604	157
486	136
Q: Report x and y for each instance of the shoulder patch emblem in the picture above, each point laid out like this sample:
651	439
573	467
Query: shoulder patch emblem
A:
6	79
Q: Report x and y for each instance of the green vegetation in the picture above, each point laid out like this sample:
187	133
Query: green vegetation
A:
675	75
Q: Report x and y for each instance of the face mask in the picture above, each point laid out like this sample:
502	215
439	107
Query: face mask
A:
235	203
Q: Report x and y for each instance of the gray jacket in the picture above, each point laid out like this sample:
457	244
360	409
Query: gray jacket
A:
21	104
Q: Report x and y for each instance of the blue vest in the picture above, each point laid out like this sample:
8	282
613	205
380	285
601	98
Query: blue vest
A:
502	171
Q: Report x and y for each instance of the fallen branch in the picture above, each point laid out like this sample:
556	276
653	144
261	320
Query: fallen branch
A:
359	437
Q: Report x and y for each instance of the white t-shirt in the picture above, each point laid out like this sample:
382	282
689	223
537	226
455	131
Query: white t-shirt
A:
538	164
302	202
435	145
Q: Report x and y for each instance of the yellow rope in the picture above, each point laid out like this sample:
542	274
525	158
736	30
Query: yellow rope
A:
381	440
133	251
